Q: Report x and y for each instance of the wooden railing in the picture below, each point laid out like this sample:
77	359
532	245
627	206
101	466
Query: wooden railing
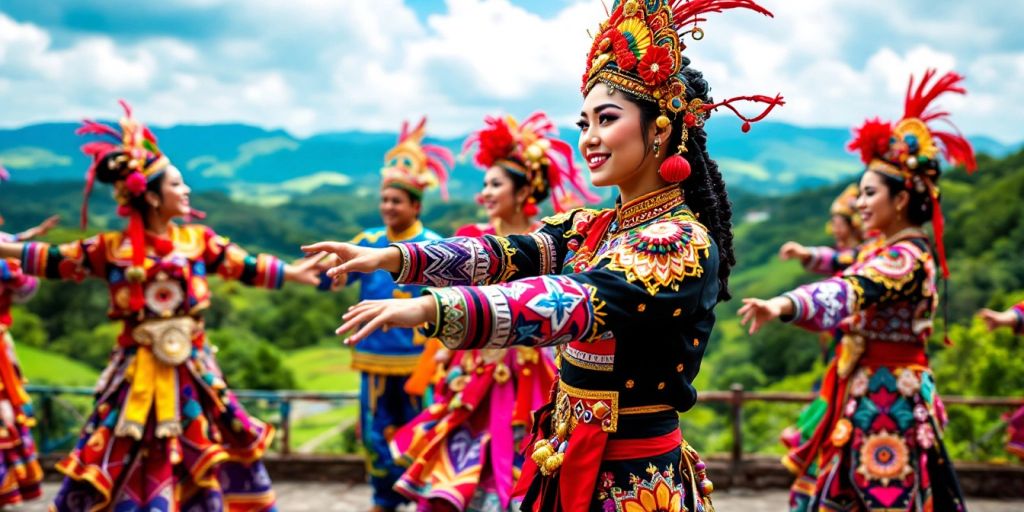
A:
283	401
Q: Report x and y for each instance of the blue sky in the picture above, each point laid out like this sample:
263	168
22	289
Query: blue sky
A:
311	66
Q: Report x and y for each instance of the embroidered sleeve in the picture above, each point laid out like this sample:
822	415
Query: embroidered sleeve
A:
21	285
620	293
230	261
72	261
464	261
1018	310
827	261
900	272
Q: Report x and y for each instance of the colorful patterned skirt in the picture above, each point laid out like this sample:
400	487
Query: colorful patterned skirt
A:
879	444
165	438
20	473
463	448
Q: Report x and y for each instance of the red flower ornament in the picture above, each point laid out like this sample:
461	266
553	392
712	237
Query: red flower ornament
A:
656	66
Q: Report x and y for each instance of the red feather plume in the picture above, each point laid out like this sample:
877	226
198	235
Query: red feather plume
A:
871	140
919	104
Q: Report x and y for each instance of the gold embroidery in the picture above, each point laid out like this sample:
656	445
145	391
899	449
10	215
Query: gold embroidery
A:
660	255
649	206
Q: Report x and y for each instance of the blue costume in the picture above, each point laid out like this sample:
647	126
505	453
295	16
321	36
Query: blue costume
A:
386	359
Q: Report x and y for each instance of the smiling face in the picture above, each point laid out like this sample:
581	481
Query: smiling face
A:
499	196
612	138
173	197
879	208
397	208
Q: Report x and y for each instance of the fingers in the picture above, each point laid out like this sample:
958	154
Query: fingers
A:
331	247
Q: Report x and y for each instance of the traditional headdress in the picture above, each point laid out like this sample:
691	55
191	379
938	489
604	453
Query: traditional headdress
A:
531	150
909	151
414	166
845	206
132	150
639	50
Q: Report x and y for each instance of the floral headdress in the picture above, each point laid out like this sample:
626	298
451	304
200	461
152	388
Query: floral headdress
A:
639	50
414	166
133	150
909	150
532	151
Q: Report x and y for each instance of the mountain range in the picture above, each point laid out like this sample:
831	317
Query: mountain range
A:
271	165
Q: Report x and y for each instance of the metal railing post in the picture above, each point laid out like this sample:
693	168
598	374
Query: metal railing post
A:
736	412
286	425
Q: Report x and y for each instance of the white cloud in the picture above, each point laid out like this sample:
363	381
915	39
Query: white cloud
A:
320	65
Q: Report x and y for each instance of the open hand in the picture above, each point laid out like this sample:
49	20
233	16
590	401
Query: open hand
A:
758	312
305	271
996	319
356	258
370	315
793	250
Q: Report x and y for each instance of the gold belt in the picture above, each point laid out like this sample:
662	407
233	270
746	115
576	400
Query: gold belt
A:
163	345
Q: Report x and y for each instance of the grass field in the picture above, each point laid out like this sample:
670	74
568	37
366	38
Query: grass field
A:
42	367
323	368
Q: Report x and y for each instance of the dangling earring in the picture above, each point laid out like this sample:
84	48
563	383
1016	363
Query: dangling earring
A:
657	147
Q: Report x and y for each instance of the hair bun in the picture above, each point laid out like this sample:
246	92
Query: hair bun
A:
111	168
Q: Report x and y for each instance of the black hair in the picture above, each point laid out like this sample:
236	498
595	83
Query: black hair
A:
705	189
519	182
112	169
919	204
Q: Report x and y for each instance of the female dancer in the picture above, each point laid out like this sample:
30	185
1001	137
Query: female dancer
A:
20	473
627	293
846	227
1014	319
486	397
879	444
165	433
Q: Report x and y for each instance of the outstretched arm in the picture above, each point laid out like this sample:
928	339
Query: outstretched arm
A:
891	275
624	290
11	249
461	261
1012	318
38	230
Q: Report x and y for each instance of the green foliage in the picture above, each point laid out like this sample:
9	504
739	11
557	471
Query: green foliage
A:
248	362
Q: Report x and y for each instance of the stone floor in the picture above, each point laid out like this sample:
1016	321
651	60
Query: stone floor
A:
304	497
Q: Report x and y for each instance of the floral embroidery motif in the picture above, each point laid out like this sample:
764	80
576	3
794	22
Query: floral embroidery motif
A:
895	267
661	255
884	457
659	493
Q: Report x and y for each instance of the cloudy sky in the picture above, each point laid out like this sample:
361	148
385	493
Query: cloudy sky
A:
324	65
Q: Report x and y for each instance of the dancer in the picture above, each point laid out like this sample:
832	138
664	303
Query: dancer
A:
386	359
165	433
846	227
20	473
879	445
1014	319
627	293
486	398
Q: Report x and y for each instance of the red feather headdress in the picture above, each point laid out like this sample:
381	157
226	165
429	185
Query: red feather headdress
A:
909	150
532	150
